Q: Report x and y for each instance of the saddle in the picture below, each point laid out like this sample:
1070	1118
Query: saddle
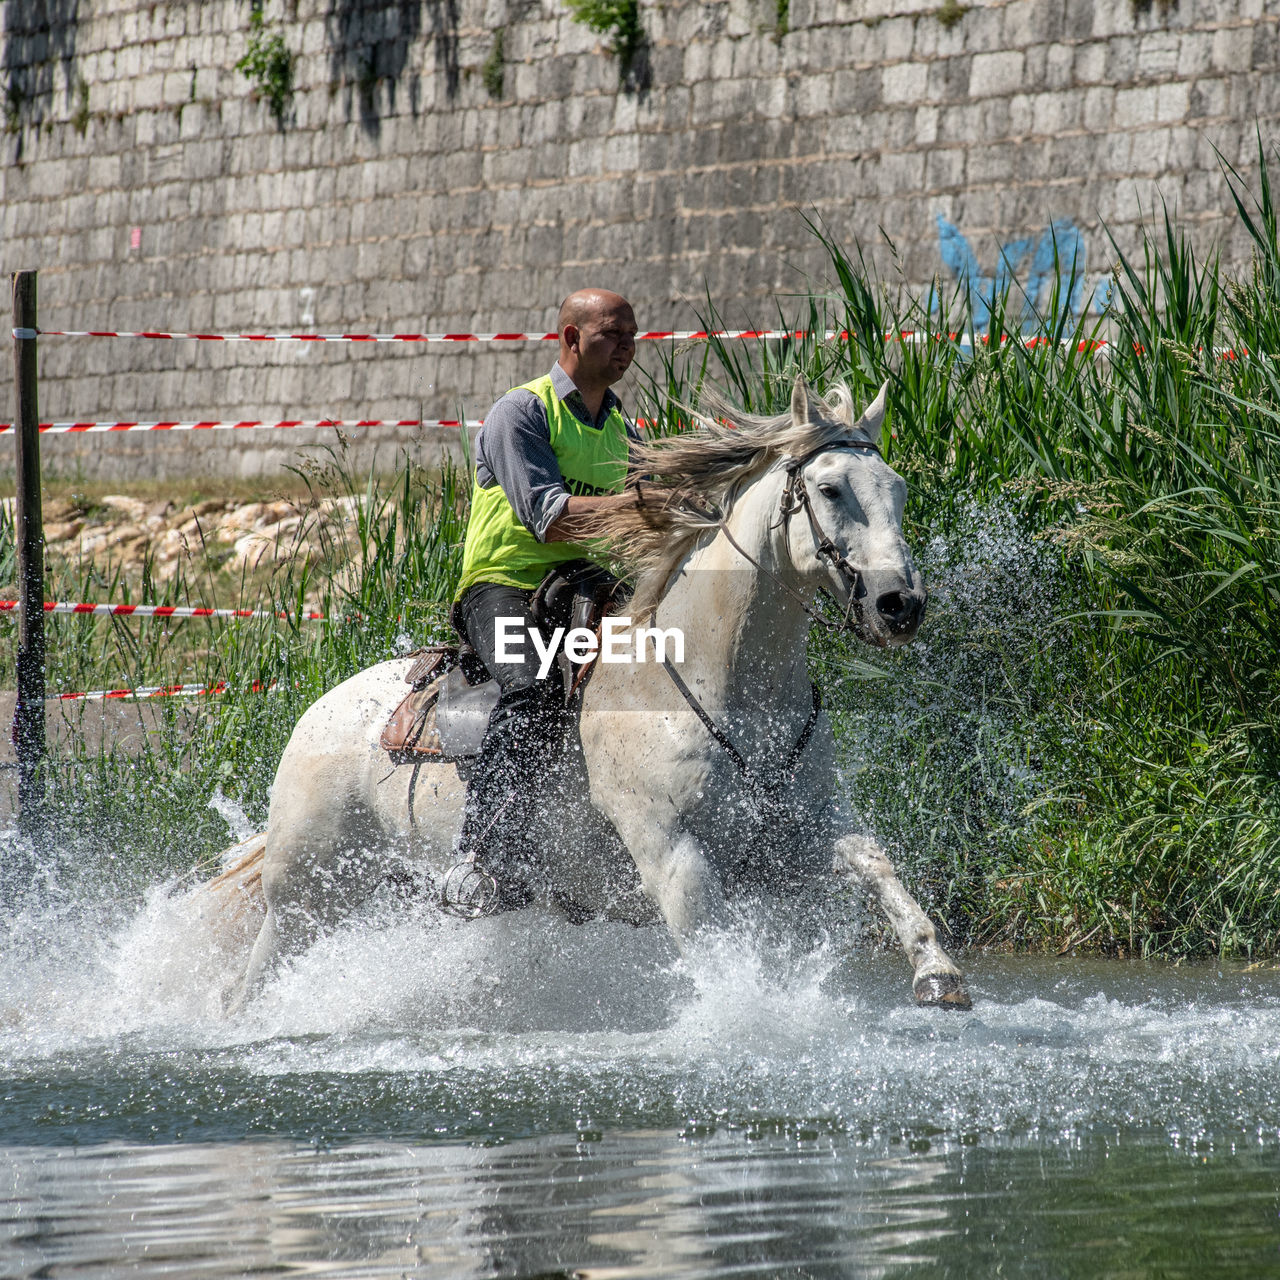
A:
444	716
446	712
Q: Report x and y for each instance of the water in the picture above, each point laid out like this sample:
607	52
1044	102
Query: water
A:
521	1098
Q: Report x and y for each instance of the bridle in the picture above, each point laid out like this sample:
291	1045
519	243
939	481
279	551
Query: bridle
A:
795	497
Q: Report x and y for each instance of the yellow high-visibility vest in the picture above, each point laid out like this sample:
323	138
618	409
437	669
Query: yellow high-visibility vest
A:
593	460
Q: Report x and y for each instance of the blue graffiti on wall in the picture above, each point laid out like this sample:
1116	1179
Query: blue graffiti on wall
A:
1025	272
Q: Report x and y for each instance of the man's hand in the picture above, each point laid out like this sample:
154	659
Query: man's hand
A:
568	525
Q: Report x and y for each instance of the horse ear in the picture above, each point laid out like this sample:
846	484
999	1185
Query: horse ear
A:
800	401
873	416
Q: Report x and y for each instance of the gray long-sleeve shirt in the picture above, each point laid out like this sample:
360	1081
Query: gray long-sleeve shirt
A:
514	450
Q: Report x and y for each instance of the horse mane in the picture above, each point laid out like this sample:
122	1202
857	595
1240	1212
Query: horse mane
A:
697	475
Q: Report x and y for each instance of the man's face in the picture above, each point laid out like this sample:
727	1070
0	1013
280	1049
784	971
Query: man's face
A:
606	343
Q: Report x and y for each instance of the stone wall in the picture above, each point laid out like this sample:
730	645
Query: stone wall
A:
405	188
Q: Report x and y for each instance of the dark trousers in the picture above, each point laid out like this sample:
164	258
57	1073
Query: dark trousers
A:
525	736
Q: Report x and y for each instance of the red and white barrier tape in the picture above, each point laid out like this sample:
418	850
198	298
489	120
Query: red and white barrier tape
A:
58	428
906	336
652	335
156	611
156	691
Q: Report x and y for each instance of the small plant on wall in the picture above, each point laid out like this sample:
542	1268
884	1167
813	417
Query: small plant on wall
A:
493	73
268	65
620	20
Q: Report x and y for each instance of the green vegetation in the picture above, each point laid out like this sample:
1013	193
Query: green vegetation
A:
1082	748
80	117
950	13
619	19
494	72
268	65
133	812
781	18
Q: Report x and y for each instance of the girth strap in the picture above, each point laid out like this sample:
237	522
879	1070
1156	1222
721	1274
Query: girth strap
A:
763	791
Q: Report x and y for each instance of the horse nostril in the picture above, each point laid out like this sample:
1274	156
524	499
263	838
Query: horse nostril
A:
898	609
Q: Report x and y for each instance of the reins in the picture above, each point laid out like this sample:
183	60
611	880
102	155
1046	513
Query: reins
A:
795	496
764	792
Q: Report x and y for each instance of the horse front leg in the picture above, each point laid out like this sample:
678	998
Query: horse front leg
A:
676	872
937	980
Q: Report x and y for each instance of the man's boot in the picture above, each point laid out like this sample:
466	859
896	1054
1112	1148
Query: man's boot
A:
498	863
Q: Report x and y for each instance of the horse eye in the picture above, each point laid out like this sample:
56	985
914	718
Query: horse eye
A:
829	490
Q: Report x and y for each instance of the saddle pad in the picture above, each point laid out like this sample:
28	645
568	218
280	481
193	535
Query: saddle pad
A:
411	730
441	721
462	714
411	734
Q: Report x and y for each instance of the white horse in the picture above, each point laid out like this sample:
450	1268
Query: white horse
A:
710	779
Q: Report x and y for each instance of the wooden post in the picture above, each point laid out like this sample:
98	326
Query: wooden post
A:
28	723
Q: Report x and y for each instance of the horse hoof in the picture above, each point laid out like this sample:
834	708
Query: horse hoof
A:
942	991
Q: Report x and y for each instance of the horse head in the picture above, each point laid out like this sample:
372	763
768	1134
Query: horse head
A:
842	518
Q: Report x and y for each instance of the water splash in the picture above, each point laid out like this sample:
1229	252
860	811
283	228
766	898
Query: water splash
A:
963	705
525	1021
233	814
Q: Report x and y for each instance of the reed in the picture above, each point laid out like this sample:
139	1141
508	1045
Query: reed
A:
1082	748
158	800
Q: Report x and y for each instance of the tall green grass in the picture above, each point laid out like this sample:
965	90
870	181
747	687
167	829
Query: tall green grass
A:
133	809
1093	761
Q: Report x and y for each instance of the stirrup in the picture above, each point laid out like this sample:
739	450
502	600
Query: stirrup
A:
468	892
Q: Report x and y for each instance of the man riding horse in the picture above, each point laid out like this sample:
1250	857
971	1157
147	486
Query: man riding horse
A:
550	452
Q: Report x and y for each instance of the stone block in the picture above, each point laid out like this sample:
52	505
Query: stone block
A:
1052	113
1059	66
980	27
949	82
995	73
904	82
925	126
1266	46
1089	63
586	159
944	169
1173	102
1157	55
1232	49
1099	108
897	39
1150	151
1112	154
1135	107
854	92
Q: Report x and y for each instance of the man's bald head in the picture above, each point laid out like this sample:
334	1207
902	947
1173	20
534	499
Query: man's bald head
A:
597	331
586	305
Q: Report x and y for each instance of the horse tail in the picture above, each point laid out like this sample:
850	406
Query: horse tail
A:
237	890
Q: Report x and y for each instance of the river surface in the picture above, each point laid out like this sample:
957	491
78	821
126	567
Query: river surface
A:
418	1098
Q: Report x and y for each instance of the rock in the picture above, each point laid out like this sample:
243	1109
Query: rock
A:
275	512
239	521
194	531
343	508
250	551
112	538
133	509
281	531
59	511
62	531
198	511
93	541
171	547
